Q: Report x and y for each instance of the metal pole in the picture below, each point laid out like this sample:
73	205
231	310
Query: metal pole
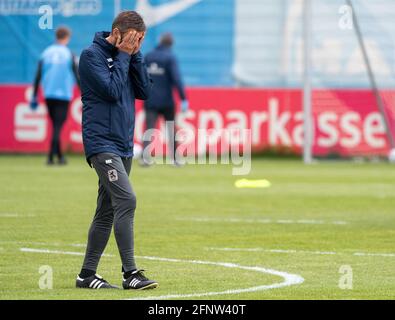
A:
372	79
307	110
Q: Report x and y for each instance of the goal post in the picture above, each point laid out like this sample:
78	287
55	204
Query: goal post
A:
307	97
372	78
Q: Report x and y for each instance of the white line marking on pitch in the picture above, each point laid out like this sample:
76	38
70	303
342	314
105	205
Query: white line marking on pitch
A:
266	221
15	215
78	245
374	254
58	252
289	279
302	251
55	244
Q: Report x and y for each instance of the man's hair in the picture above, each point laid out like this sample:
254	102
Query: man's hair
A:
166	39
129	20
62	33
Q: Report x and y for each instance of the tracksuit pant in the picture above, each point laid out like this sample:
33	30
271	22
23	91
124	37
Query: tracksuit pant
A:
116	204
57	110
151	117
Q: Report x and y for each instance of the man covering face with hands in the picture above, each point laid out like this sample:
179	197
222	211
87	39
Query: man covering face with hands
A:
113	75
129	42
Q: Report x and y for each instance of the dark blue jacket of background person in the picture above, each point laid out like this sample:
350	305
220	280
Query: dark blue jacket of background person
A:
163	69
111	80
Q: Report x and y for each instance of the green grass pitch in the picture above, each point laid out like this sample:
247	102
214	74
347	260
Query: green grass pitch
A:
312	221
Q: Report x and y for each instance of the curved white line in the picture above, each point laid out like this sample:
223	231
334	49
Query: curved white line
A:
289	278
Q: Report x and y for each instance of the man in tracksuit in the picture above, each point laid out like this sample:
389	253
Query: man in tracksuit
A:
164	71
113	75
57	72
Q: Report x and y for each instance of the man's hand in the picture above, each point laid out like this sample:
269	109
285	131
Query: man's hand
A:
131	43
184	105
128	43
139	41
34	103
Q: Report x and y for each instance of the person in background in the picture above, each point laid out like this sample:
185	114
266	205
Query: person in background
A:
164	71
57	72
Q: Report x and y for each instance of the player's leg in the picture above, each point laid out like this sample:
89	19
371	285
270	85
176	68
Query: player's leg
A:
99	233
169	115
135	279
151	117
51	107
60	119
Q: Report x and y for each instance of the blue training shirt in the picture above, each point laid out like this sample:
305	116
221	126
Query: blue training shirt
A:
57	72
163	69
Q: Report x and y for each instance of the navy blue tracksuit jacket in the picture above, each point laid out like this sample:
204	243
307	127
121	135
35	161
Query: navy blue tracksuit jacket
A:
163	69
111	80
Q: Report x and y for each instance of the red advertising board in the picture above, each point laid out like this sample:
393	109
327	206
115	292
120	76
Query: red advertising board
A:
346	122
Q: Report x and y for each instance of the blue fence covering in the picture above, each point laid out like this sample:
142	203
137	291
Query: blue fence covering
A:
218	42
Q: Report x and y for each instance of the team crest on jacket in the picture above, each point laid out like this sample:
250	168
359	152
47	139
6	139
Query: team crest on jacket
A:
112	175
